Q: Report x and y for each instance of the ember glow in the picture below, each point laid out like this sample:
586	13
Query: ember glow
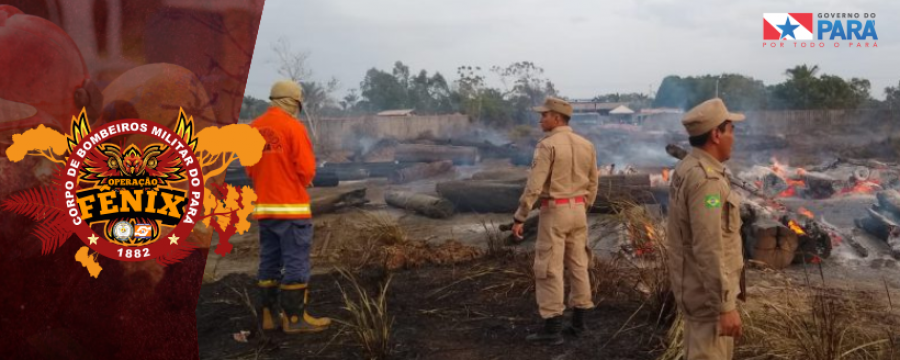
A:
665	175
805	212
863	187
781	170
796	227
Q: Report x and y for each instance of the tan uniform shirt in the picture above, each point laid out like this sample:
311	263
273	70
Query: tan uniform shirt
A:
704	240
564	167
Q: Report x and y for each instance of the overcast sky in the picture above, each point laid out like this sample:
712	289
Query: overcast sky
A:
586	47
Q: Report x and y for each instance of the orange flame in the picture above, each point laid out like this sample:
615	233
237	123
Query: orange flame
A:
778	168
788	193
863	187
805	212
665	175
796	227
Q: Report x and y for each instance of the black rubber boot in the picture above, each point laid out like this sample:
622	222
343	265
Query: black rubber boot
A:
551	334
269	312
578	327
295	319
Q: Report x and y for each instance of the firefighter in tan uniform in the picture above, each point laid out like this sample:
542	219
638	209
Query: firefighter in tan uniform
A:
704	241
564	178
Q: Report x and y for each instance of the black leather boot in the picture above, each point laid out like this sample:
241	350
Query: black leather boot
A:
550	334
269	312
578	327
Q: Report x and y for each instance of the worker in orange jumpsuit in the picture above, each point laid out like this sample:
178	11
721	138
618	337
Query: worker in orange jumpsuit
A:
286	169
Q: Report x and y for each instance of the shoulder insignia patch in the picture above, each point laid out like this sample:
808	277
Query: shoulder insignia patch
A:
713	201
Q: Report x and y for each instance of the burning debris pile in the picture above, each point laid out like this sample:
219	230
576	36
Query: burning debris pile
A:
840	178
780	238
772	233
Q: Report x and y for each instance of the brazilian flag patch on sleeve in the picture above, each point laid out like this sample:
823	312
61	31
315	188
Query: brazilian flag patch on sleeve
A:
713	201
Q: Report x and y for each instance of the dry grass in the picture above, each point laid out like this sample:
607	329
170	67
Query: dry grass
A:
642	262
381	243
381	228
495	240
819	324
369	319
674	342
810	323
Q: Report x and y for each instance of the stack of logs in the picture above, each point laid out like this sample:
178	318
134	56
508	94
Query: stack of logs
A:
779	238
883	220
499	192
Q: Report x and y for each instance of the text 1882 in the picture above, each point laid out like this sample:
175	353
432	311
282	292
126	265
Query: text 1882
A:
135	254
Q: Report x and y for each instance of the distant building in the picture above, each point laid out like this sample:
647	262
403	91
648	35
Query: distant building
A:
606	112
585	119
602	108
659	117
402	112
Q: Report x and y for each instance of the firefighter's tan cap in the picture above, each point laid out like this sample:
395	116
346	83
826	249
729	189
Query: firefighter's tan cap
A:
286	89
707	116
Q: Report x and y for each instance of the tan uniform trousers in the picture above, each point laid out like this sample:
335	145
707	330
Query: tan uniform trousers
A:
702	342
562	245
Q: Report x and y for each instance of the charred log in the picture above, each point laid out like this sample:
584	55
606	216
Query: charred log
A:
421	171
352	174
486	196
879	225
482	196
459	155
326	179
814	243
332	201
507	175
375	169
889	200
774	184
820	186
427	205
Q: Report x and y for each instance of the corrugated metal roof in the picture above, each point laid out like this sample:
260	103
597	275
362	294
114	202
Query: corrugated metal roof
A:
622	109
596	106
402	112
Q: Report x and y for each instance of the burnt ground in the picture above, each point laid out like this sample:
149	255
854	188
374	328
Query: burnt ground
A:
440	312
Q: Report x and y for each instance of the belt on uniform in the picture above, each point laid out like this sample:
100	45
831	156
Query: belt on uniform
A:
576	200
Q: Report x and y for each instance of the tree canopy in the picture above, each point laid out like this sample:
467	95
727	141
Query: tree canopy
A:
502	96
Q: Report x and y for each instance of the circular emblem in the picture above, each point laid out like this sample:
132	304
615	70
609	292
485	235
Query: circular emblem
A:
147	197
123	231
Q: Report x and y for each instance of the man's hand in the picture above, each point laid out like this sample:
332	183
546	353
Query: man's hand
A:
730	324
517	230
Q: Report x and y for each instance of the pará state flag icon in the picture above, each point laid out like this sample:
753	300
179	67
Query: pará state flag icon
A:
787	26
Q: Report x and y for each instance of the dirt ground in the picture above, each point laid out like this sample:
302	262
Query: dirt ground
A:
439	313
480	309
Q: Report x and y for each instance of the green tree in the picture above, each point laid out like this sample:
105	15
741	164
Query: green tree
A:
251	108
805	90
892	97
672	93
481	103
401	90
526	87
381	91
